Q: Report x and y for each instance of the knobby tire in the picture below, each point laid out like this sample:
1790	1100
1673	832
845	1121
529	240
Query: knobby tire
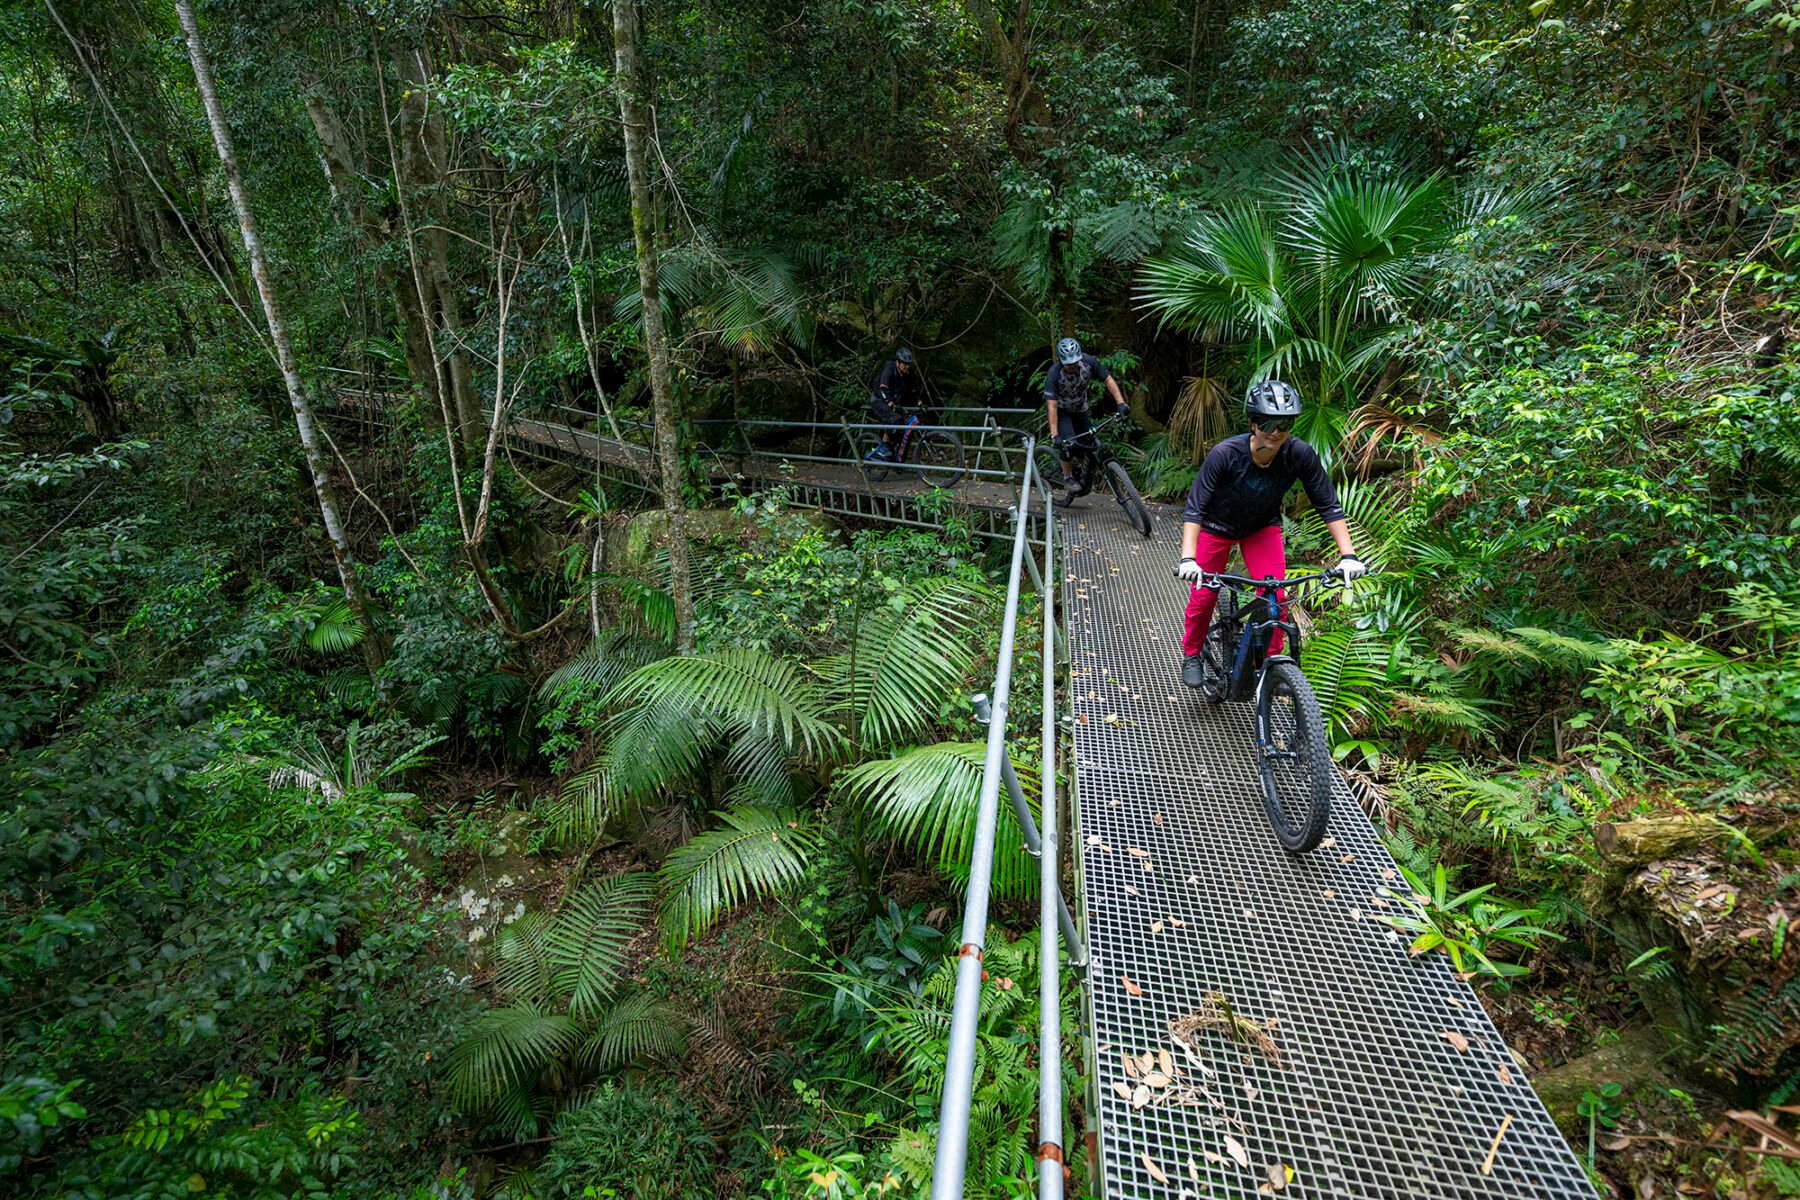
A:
1126	493
1296	793
939	457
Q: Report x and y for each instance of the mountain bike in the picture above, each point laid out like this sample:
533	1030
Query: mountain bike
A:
1235	664
934	455
1090	457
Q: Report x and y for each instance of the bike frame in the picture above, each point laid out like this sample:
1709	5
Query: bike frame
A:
906	432
1259	621
1092	450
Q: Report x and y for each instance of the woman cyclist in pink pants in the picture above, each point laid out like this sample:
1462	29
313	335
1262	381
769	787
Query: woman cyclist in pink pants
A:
1236	501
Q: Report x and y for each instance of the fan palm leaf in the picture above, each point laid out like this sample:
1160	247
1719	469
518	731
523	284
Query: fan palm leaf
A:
585	944
755	852
926	799
1226	278
905	659
507	1048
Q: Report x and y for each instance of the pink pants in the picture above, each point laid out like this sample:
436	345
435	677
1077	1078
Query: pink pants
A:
1263	555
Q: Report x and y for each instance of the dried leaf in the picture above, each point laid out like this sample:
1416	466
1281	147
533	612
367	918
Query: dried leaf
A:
1140	1096
1505	1075
1130	1061
1165	1062
1220	1159
1157	1079
1146	1063
1249	1090
1458	1040
1135	852
1280	1175
1123	1088
1156	818
1093	839
1236	1149
1156	1172
1344	858
1156	927
1329	893
1131	987
1178	922
1328	843
1133	891
1193	1169
1388	872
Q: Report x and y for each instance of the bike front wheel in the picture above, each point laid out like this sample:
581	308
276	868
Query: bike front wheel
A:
939	458
1291	757
1126	493
862	444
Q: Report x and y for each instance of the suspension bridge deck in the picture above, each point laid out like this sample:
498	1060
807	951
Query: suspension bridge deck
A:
1391	1081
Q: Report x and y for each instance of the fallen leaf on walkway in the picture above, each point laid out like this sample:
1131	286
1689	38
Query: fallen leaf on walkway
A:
1156	1172
1178	923
1141	1096
1505	1075
1356	914
1328	843
1146	1062
1236	1149
1457	1002
1133	891
1166	1061
1123	1088
1329	893
1156	818
1194	879
1280	1175
1249	1090
1093	839
1458	1040
1137	852
1081	718
1130	1063
1220	1159
1156	927
1131	987
1344	858
1388	872
1157	1079
1193	1169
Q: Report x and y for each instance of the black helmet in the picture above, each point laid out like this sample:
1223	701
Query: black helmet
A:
903	355
1272	398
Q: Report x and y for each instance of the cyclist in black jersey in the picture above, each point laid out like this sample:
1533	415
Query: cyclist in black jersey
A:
897	388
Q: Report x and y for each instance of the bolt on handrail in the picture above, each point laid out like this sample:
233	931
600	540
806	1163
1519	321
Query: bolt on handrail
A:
959	1071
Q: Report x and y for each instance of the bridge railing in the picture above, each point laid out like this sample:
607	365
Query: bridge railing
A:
959	1074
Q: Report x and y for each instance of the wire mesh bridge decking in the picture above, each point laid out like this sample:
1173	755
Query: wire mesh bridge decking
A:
1385	1077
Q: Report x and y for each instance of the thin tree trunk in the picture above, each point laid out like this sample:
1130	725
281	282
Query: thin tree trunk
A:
662	397
284	351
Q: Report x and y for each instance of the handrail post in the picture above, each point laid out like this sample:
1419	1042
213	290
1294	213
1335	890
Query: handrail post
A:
965	1013
1050	1158
1033	844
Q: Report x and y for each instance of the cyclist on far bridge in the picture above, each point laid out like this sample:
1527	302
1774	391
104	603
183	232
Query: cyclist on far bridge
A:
897	388
1236	501
1066	396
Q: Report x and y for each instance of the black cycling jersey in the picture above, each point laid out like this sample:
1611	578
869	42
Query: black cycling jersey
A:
897	389
1068	386
1232	497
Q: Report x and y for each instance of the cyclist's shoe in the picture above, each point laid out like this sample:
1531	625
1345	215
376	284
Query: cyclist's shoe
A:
1190	671
881	453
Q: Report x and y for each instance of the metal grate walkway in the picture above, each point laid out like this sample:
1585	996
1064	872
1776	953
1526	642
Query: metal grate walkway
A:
1392	1080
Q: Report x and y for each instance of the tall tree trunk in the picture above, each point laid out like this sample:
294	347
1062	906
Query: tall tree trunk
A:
284	351
662	397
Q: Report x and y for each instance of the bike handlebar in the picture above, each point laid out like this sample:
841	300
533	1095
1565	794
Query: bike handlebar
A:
1212	579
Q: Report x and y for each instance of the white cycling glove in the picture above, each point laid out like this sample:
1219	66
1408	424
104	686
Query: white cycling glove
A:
1188	569
1351	568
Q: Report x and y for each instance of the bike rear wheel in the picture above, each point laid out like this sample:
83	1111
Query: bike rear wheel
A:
939	457
1291	757
1126	493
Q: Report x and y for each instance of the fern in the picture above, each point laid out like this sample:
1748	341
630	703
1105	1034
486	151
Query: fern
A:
1348	671
757	852
586	942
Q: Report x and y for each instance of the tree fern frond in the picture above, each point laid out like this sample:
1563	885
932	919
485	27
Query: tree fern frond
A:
757	852
636	1029
507	1047
586	941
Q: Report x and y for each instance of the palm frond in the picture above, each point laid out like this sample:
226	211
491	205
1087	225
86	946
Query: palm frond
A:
651	745
525	972
507	1048
1225	279
905	659
756	852
606	660
636	1029
585	944
736	689
1348	672
926	799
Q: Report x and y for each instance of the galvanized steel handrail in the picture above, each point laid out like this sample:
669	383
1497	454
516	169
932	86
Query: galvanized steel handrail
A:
959	1071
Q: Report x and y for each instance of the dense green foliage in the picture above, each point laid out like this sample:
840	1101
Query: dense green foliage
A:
490	892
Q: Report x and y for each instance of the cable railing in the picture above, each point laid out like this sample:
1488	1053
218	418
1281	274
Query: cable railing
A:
1055	923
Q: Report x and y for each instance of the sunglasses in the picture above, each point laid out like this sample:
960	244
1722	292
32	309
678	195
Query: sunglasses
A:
1275	424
